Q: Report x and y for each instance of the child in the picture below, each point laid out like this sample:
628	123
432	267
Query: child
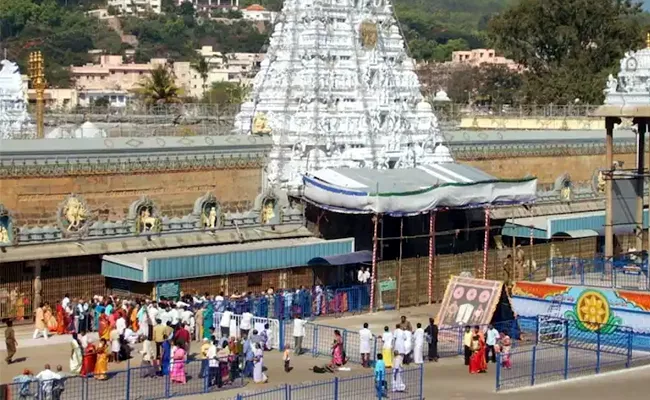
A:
287	359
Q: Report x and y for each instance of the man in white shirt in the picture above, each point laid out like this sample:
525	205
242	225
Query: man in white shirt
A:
224	323
120	325
366	275
245	325
365	336
153	313
175	317
186	316
491	337
130	336
418	345
360	276
65	302
298	334
213	365
46	378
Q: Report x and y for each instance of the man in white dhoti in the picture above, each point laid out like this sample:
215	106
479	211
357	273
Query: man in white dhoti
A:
408	346
365	336
418	345
398	373
398	334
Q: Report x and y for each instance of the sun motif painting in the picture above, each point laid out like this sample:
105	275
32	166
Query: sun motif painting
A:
592	313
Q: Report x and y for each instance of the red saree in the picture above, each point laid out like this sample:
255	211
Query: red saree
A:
60	319
477	362
90	358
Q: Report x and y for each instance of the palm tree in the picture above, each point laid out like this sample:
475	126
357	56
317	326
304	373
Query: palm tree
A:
159	87
202	68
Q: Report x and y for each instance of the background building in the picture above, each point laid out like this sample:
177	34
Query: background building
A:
478	57
116	80
136	6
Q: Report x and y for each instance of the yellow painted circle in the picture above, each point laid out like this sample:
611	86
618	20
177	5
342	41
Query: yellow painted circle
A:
593	310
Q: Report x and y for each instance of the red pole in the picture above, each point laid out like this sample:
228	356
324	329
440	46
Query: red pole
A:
373	278
486	242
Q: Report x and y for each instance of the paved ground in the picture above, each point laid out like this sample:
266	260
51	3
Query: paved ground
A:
447	379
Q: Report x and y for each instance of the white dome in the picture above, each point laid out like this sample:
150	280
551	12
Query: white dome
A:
424	106
441	95
442	152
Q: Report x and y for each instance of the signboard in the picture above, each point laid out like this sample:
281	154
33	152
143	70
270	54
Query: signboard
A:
387	285
168	290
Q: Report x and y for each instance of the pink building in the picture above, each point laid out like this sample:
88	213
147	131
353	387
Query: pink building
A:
111	77
478	57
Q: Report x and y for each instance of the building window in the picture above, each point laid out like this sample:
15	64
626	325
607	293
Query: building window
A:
254	279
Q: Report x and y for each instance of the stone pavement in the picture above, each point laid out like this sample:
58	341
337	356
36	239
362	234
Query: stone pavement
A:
447	379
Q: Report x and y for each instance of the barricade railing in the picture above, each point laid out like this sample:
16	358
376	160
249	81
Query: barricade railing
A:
406	385
571	349
306	303
629	274
128	384
257	323
318	339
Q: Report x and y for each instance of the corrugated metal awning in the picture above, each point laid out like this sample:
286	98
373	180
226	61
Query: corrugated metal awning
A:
168	265
576	234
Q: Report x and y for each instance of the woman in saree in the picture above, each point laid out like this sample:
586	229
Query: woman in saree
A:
49	318
506	346
60	319
135	326
76	355
20	307
89	359
98	312
337	350
178	366
104	327
198	322
208	317
258	365
101	366
165	358
477	363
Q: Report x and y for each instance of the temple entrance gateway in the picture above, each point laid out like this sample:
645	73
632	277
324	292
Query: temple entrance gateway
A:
338	89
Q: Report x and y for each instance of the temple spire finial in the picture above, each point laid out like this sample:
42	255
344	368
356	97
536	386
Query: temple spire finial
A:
647	40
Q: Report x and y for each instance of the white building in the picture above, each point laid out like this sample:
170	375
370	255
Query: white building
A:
136	6
257	13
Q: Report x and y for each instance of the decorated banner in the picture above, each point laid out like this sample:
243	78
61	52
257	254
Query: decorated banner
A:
469	301
590	308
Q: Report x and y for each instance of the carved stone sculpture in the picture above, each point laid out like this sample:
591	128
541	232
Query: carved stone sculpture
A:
260	125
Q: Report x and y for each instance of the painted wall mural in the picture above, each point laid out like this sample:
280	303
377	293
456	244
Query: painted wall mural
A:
589	307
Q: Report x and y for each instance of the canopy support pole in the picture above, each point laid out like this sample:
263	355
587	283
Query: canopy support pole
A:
486	242
373	278
432	251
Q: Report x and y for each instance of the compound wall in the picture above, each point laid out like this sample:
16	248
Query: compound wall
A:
588	307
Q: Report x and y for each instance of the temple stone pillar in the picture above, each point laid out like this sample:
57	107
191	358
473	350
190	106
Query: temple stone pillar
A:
37	284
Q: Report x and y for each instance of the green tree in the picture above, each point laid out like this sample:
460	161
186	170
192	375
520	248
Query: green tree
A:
498	84
202	68
227	93
566	46
160	87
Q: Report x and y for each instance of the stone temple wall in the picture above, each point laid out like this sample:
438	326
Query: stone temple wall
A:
34	200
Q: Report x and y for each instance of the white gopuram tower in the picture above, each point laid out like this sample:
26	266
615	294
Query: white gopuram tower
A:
337	89
14	119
